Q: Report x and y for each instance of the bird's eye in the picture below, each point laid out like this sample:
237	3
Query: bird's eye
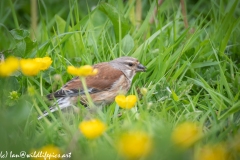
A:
130	64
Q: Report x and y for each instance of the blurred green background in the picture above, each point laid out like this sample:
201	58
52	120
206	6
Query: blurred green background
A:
195	52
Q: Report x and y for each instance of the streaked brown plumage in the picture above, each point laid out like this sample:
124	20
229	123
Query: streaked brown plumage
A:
113	78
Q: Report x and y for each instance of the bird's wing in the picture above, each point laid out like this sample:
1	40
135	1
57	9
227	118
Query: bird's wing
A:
102	81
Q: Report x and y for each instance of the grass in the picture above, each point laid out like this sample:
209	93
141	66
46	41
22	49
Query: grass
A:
199	64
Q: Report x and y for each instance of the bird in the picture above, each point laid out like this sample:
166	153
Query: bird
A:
113	78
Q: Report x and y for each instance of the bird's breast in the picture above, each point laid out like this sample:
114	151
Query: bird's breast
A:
121	86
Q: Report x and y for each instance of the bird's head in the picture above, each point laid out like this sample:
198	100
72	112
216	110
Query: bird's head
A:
128	65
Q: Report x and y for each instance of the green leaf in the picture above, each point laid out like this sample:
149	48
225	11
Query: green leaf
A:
19	34
7	39
127	44
120	24
218	98
175	96
145	24
61	24
234	109
179	72
30	45
149	40
20	49
203	64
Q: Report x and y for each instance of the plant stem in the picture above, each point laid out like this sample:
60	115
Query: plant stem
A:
89	99
14	14
41	89
39	111
110	141
33	18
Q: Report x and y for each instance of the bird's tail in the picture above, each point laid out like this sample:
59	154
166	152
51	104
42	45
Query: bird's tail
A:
61	104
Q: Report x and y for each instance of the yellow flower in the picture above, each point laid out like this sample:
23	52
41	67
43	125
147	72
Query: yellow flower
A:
30	67
47	152
186	134
217	152
126	102
9	66
44	62
134	144
84	71
92	128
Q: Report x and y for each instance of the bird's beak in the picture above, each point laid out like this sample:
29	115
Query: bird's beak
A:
141	68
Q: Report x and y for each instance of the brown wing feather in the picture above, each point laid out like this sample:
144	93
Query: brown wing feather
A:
102	81
105	78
